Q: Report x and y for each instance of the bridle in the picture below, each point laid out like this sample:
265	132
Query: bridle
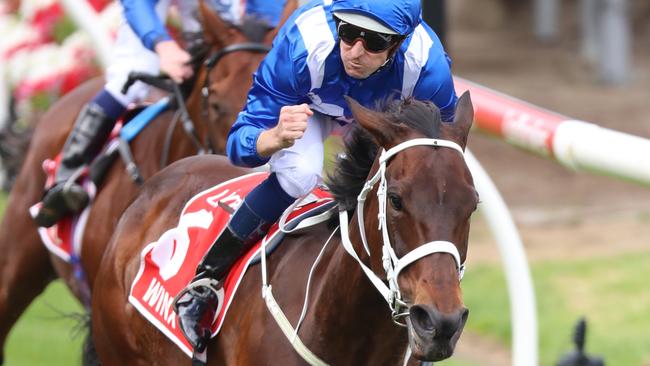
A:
391	263
210	63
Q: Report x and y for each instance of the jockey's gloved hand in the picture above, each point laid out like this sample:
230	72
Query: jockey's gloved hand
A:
174	61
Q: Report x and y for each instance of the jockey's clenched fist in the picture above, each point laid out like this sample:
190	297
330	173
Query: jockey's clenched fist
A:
292	124
291	127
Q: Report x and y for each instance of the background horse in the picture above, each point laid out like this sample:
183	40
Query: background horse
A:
430	197
25	265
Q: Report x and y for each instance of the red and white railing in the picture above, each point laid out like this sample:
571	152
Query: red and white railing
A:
575	144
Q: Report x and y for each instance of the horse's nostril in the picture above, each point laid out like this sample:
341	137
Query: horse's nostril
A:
421	318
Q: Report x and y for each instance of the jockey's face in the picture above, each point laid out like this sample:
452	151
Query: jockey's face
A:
358	62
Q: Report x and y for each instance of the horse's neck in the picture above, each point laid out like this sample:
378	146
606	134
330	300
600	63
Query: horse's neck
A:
352	315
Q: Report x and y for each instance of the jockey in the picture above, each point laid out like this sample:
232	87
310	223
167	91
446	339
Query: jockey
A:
142	44
370	50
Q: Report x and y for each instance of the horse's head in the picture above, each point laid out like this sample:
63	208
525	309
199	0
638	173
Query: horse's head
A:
235	52
422	200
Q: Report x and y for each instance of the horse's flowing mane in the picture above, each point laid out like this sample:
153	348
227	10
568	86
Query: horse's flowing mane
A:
353	166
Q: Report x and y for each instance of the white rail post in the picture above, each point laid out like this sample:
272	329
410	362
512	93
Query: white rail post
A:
589	30
523	311
615	37
4	114
546	13
4	97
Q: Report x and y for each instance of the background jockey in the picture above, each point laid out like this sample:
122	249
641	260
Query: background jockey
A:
143	44
370	50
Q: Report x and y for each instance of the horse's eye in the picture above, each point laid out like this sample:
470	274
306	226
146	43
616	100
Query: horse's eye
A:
395	201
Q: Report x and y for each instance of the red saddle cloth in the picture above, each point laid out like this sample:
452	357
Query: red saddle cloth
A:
168	264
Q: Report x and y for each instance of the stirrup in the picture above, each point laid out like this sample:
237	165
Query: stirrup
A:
75	197
67	195
60	201
207	283
200	358
47	216
191	306
73	193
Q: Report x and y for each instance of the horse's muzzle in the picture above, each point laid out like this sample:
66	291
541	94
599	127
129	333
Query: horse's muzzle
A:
433	335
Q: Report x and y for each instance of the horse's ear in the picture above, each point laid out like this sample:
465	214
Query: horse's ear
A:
289	7
372	121
215	30
463	119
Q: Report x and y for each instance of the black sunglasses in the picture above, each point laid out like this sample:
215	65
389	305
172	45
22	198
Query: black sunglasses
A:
372	41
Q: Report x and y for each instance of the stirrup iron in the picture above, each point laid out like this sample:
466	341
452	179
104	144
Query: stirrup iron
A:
207	283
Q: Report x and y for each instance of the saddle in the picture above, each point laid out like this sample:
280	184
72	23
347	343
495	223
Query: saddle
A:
126	129
169	264
64	238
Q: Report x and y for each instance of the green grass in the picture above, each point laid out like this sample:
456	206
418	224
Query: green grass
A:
611	292
3	202
46	337
46	334
43	337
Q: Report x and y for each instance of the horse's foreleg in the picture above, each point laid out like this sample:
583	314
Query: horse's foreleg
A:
25	269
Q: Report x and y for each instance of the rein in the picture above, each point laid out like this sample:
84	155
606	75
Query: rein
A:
210	63
182	115
392	264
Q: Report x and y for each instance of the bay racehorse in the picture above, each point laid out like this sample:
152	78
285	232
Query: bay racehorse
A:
421	194
25	265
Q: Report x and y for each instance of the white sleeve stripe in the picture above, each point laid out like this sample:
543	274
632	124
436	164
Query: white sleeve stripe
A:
319	42
415	58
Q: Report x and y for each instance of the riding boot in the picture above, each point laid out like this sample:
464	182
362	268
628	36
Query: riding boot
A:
199	303
66	196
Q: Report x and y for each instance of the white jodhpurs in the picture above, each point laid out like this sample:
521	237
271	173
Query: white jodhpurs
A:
299	168
129	54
